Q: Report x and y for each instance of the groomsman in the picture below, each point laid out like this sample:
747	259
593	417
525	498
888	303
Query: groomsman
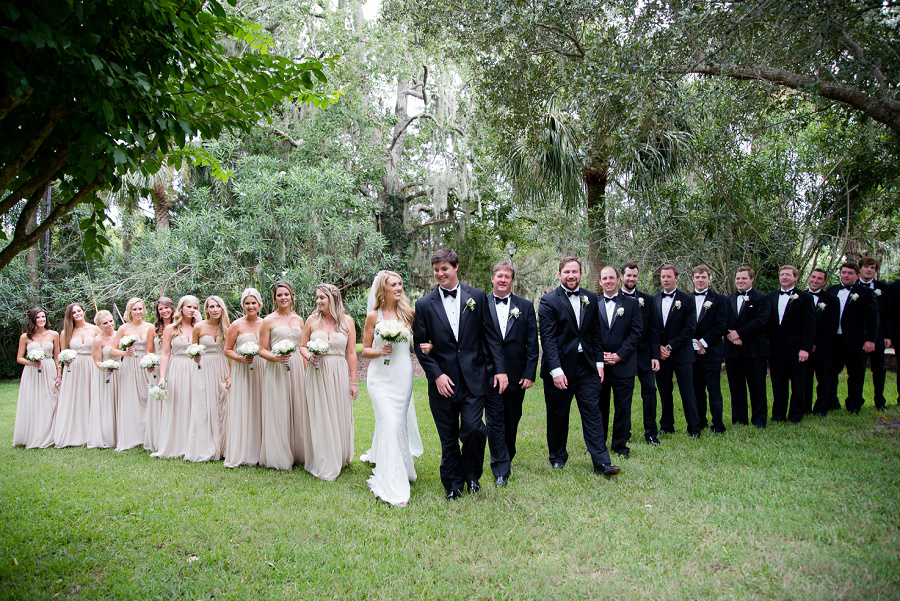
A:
746	349
868	271
856	334
646	354
791	334
895	320
711	309
514	319
621	326
827	309
672	325
572	365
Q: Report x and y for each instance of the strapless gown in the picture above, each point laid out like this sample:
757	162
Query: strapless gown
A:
104	398
131	414
154	408
176	411
36	406
209	405
73	411
281	419
244	435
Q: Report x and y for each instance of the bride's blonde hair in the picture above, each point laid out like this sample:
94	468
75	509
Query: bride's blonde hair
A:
404	311
335	307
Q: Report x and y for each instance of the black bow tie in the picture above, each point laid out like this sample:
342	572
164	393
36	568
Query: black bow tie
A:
449	292
668	295
700	293
571	293
631	294
845	287
788	292
609	300
498	300
815	293
869	285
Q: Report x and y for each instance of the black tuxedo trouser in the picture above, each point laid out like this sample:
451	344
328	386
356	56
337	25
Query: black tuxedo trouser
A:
647	378
459	420
684	372
708	378
585	387
744	374
876	363
788	377
503	412
820	365
856	375
622	389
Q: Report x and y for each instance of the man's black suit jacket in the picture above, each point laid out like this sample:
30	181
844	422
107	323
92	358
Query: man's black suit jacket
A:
885	318
463	360
750	324
678	331
711	325
826	319
622	336
561	334
859	321
797	329
645	350
520	347
895	313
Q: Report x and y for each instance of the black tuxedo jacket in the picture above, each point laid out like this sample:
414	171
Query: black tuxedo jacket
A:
885	319
750	325
466	359
561	333
826	319
622	335
645	350
711	325
859	322
520	347
679	329
797	329
894	313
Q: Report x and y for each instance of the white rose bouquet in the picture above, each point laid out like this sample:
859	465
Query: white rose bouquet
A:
66	357
157	393
392	331
110	365
196	350
36	356
317	347
248	349
288	347
127	342
150	362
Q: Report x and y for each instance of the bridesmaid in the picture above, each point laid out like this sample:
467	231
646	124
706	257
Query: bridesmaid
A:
74	408
165	311
330	386
283	402
177	371
209	389
104	396
36	408
243	437
131	412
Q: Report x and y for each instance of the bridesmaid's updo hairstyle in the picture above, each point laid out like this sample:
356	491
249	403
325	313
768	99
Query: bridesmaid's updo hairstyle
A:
130	305
31	322
69	324
159	325
101	315
177	318
224	322
404	309
282	284
251	293
335	307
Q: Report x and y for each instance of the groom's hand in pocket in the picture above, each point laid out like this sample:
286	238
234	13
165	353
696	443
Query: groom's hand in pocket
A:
444	385
501	381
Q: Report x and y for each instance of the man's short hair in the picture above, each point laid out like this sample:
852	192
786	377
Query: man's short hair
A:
748	269
445	255
564	260
629	265
792	268
820	270
608	267
850	265
504	265
671	267
869	262
702	269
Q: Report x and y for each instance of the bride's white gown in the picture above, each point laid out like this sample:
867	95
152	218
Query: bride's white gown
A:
396	437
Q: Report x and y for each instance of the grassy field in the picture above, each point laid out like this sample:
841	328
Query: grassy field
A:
808	512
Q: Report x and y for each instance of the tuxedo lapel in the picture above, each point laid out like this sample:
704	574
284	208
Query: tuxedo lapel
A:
510	319
567	306
437	305
615	315
492	305
463	317
702	308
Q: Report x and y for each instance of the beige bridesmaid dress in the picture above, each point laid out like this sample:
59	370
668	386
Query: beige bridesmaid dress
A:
131	413
243	437
104	399
36	406
74	407
209	405
176	410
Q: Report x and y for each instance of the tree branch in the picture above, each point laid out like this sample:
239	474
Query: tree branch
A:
558	30
8	102
31	146
38	181
861	57
31	205
294	143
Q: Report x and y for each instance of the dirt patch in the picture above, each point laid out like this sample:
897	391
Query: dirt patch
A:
889	424
362	366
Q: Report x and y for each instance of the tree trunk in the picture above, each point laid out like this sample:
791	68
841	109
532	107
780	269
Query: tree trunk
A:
31	260
596	174
161	207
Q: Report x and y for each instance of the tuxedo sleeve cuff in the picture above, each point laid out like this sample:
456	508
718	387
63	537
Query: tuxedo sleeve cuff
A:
703	343
599	365
555	373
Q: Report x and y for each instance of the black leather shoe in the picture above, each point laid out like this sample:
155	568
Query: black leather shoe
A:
652	440
664	431
718	430
454	495
473	486
694	434
607	470
500	481
557	465
622	452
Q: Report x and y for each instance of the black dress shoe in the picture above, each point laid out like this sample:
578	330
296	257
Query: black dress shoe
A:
473	486
718	430
623	452
606	469
454	495
695	434
557	465
652	440
500	481
664	431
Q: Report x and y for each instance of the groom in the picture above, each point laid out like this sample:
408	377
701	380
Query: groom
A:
456	320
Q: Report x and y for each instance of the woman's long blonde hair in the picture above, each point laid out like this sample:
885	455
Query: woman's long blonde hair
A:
130	305
224	322
404	310
178	317
335	307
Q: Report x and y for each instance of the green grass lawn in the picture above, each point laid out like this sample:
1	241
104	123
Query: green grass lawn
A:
808	512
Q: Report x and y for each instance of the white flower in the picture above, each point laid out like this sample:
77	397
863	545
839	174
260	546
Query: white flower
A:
878	292
316	346
585	300
196	350
156	393
854	296
794	296
707	305
392	331
248	349
678	304
36	356
470	304
149	361
620	311
641	301
514	313
67	356
127	342
821	306
746	298
110	365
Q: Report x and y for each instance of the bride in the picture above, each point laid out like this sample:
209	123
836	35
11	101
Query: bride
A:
389	382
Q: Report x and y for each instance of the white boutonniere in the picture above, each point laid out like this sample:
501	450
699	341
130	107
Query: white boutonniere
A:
793	297
677	304
514	313
854	296
470	304
641	301
821	306
620	311
745	298
707	305
878	292
584	301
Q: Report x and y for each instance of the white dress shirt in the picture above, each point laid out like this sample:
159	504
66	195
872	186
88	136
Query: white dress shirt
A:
666	307
843	295
698	304
740	299
783	300
610	309
451	308
503	313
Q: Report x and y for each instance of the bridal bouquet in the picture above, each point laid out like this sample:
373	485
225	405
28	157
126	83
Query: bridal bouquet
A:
391	331
284	347
127	342
150	362
196	350
110	365
318	347
66	357
248	349
36	356
157	393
